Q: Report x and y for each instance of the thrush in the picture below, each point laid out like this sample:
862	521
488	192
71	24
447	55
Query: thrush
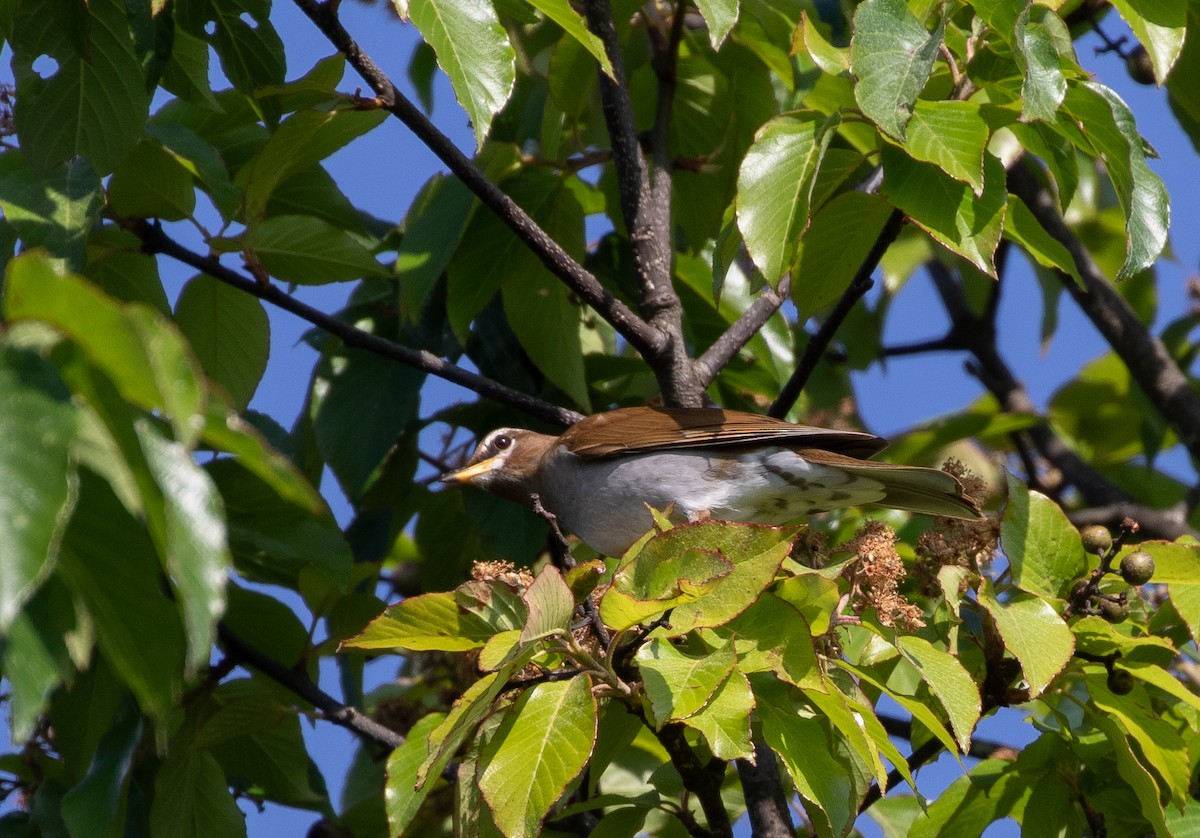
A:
599	477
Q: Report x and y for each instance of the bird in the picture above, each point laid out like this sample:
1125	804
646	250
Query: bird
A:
601	476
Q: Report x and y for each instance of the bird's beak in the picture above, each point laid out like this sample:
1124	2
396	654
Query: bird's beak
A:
469	473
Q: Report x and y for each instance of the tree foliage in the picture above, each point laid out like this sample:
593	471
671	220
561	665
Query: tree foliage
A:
673	200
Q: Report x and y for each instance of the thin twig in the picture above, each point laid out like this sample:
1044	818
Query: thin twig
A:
641	336
155	240
709	365
297	681
817	345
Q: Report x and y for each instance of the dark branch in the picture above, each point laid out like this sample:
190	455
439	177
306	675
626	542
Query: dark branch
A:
297	680
765	802
156	241
641	336
819	342
739	333
646	201
1150	363
698	779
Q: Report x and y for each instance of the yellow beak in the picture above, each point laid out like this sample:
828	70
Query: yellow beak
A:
469	473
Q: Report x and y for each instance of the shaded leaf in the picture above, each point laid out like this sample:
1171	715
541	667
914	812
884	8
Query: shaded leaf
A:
1042	546
891	54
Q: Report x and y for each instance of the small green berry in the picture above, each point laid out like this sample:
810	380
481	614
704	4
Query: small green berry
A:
1113	611
1096	538
1120	682
1139	66
1137	567
1077	590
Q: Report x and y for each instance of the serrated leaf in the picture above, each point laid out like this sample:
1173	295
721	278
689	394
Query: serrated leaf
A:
720	15
678	683
422	623
892	55
725	720
1178	566
949	681
551	605
38	426
99	796
1133	772
543	743
55	210
432	231
402	795
149	182
1107	123
473	50
919	709
948	210
952	136
1034	633
1037	34
95	101
229	332
1160	26
834	247
1020	226
196	553
1043	548
773	188
772	635
310	251
831	59
192	798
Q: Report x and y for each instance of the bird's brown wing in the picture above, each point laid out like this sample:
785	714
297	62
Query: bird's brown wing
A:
643	429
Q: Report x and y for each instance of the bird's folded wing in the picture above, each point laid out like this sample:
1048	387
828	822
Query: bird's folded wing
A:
643	429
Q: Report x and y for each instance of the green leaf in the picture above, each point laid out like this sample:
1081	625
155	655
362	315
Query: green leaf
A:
1020	226
245	40
678	683
834	247
831	59
891	55
38	426
1132	771
192	799
100	795
423	623
55	210
1034	633
551	605
542	745
35	656
432	230
200	159
303	140
1108	124
725	720
1039	35
257	740
150	182
186	73
992	790
1178	567
1043	548
949	681
229	332
547	323
402	795
951	136
473	50
917	707
773	190
112	569
196	554
771	635
720	15
1183	96
948	210
309	251
1160	26
95	101
802	745
668	571
562	13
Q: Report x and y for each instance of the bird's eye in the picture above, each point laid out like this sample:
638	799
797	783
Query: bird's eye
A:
502	441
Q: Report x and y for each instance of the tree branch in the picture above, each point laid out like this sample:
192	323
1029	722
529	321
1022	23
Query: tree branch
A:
739	333
1150	363
765	802
155	240
697	779
297	680
641	336
646	201
819	342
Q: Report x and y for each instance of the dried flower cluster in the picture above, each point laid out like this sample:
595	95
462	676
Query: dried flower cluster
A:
518	578
953	541
879	572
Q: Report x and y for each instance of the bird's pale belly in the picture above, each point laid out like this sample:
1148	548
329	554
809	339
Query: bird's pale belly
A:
604	502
